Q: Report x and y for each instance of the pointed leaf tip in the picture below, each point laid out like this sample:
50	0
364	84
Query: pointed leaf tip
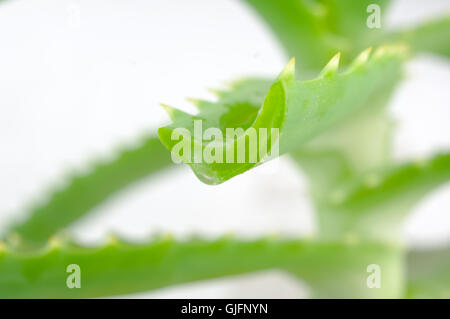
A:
332	67
288	72
112	239
54	243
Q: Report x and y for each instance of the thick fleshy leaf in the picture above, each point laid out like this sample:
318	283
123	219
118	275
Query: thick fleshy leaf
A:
376	203
431	36
300	110
312	30
85	191
356	145
122	268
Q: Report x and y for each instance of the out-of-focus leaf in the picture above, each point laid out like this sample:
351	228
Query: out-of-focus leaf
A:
359	143
431	37
121	268
84	192
376	203
300	27
347	19
311	30
429	274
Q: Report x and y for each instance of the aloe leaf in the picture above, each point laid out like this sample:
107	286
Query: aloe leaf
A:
300	110
121	268
429	273
357	144
300	27
431	36
348	19
312	30
376	203
84	192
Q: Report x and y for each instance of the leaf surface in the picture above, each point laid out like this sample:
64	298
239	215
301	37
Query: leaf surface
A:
85	191
122	268
429	273
376	203
300	110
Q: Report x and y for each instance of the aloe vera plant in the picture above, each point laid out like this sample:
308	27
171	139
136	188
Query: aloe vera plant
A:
332	120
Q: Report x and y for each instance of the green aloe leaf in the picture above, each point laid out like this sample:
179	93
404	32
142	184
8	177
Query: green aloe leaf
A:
431	36
121	268
84	192
300	110
311	30
429	273
376	203
347	19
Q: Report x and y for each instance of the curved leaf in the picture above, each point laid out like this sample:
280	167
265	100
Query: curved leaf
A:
300	110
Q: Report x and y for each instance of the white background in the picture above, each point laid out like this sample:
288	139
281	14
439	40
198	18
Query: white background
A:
79	79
